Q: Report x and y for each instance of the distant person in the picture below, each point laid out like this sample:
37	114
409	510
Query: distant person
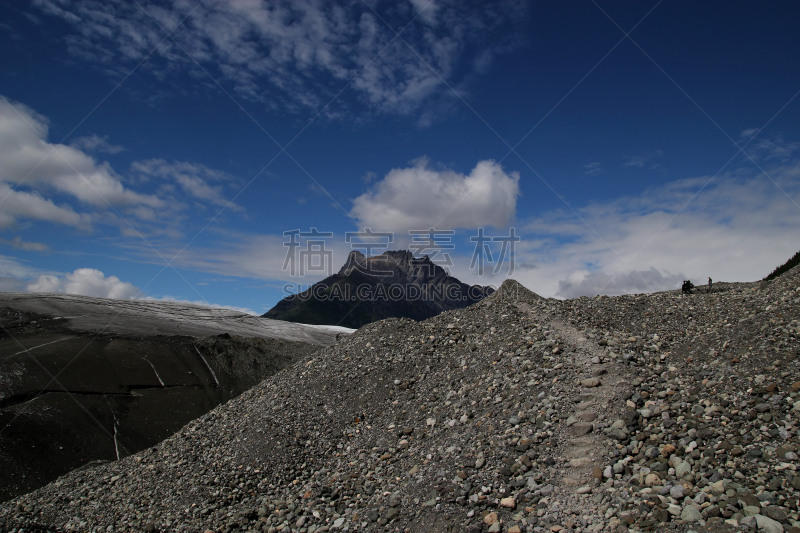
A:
709	285
687	287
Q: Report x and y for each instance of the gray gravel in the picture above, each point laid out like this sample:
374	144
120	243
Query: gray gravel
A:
658	412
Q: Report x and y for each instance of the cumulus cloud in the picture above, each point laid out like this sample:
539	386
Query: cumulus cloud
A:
30	205
300	55
28	160
51	182
87	282
419	197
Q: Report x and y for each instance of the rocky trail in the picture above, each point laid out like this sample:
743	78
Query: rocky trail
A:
600	386
656	412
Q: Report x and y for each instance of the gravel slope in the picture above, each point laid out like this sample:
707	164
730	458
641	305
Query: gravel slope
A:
91	379
657	412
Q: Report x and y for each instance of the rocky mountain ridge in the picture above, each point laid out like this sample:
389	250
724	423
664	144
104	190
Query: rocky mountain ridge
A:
655	412
366	289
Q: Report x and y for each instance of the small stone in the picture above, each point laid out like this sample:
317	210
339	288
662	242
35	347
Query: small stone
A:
682	468
590	382
768	525
652	479
581	428
690	513
394	500
617	434
490	519
751	510
514	529
508	502
667	450
775	512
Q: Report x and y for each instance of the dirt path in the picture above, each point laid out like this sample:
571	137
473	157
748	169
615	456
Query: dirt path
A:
593	385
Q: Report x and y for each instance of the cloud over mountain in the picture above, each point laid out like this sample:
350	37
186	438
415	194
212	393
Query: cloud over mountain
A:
419	197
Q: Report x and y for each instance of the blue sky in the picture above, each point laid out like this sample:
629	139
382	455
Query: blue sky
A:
172	149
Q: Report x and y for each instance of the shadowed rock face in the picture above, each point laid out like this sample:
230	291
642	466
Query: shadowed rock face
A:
100	379
366	289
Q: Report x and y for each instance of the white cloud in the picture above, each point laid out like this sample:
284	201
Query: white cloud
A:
766	149
195	180
96	144
51	182
87	282
419	197
18	244
426	10
749	133
773	149
593	168
27	159
261	257
585	283
642	159
27	205
300	55
732	228
14	274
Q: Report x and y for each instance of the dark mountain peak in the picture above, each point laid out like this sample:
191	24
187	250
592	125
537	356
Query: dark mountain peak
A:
392	266
366	289
355	261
